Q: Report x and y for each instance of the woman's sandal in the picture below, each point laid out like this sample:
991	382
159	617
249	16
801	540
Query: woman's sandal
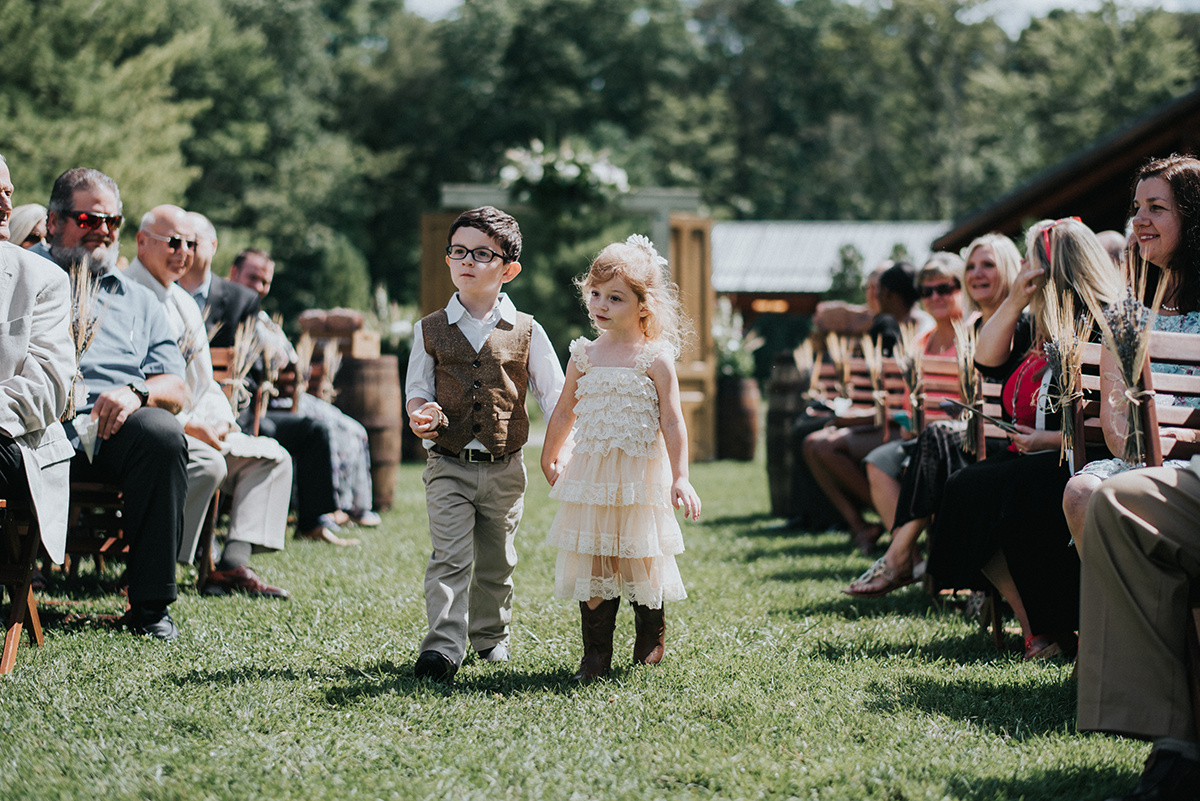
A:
876	571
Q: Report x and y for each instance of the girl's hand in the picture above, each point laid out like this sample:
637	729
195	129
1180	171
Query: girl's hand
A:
1032	440
425	419
685	498
553	469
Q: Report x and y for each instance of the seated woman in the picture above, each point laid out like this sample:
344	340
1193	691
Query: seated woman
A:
1166	224
992	264
834	454
1001	518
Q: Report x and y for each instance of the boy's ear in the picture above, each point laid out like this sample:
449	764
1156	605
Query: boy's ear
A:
510	272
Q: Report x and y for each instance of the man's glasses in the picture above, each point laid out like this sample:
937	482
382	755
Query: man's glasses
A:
174	242
941	290
32	239
90	220
478	255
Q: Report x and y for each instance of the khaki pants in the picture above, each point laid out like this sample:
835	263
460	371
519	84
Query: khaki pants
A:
474	510
1141	558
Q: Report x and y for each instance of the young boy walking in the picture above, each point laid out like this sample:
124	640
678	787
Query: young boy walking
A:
466	382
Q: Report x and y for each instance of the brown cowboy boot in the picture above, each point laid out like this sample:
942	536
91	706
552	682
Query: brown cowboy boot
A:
651	627
597	629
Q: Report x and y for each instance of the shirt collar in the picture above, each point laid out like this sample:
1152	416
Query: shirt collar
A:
201	293
138	272
504	307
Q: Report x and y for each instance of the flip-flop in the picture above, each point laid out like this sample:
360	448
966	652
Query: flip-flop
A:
879	569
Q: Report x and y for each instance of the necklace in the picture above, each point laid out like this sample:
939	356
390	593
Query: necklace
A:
1165	307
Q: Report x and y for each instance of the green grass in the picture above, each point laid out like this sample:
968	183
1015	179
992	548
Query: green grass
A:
775	685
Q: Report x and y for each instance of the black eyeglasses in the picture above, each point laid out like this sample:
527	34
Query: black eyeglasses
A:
478	255
942	290
32	239
91	220
174	242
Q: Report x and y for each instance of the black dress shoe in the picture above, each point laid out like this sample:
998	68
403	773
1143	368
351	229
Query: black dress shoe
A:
150	622
1169	776
432	665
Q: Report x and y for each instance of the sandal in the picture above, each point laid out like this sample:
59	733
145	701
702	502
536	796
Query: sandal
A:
878	570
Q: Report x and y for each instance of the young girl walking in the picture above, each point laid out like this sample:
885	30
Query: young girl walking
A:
615	528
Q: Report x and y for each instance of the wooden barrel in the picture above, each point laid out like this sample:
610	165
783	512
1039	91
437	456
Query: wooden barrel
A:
369	391
784	405
737	417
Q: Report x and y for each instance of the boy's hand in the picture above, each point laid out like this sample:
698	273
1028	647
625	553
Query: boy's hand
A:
685	498
425	420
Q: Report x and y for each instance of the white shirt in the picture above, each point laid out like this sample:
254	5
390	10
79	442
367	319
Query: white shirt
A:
546	376
206	401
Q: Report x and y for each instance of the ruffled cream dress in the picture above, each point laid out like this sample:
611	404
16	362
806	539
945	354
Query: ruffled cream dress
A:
615	527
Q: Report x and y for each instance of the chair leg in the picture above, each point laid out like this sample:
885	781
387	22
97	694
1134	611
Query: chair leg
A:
23	613
204	551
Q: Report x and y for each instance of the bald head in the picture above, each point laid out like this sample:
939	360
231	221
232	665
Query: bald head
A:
206	249
166	242
1114	245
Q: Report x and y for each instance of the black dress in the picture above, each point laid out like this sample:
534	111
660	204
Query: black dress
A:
1011	502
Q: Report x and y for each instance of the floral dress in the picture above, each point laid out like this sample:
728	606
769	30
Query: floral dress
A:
1179	324
615	527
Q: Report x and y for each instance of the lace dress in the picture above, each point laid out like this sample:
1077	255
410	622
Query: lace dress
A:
615	527
1180	324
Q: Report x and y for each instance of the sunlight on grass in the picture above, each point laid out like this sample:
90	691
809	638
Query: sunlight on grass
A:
775	685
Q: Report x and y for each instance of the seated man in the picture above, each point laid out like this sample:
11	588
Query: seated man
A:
133	379
1142	560
37	364
256	471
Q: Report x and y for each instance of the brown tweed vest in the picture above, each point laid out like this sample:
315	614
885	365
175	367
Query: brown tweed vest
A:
482	394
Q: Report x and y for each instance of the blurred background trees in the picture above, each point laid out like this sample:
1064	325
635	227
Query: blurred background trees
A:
322	129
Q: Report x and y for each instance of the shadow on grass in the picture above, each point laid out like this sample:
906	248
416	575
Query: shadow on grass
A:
387	678
1002	706
1083	783
969	648
740	520
793	548
903	602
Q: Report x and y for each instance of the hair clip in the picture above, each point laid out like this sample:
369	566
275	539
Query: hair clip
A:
643	242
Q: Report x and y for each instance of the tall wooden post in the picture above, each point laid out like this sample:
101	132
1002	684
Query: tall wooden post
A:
691	268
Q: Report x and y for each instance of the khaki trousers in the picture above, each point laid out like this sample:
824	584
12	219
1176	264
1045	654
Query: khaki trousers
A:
1141	558
474	510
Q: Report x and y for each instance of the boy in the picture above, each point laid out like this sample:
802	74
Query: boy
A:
466	381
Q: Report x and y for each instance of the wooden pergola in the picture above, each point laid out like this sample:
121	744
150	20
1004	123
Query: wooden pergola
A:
1094	184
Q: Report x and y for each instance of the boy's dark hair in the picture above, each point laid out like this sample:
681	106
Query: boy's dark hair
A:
499	226
240	258
900	278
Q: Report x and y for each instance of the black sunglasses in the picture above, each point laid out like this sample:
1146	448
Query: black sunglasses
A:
939	289
91	220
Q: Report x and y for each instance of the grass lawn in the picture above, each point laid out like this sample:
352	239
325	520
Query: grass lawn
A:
775	685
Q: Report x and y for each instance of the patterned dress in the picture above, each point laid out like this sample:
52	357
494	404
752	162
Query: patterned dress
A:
615	527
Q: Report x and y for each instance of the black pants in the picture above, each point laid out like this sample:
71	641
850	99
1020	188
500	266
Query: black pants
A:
13	483
148	458
307	440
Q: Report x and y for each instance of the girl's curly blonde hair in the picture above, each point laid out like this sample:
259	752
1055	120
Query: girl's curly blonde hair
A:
636	262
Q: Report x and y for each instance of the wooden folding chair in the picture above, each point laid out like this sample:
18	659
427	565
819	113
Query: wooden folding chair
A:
19	542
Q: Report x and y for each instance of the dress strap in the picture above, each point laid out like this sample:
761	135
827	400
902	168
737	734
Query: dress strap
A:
578	349
649	353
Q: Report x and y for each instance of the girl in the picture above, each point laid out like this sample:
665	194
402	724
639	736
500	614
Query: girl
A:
615	529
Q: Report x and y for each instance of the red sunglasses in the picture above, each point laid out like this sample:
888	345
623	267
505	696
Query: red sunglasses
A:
91	220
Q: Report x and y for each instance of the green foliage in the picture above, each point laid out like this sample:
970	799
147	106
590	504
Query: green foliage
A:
846	283
775	685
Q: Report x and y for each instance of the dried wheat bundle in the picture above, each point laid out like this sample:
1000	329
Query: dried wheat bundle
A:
214	328
838	348
1063	356
332	361
803	356
85	323
873	356
910	354
1126	326
191	341
246	349
968	379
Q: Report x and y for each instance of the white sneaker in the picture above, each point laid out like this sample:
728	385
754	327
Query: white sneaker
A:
497	653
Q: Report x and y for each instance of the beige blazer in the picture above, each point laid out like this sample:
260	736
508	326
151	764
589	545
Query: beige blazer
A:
37	363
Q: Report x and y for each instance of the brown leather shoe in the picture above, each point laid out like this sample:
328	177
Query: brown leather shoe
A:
651	626
240	579
322	534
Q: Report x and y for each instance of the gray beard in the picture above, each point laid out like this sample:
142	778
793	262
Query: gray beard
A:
80	255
